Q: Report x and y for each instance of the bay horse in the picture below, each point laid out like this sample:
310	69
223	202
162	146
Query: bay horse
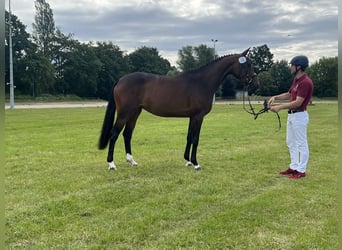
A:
189	94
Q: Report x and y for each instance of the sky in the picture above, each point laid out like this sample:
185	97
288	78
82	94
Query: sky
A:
287	27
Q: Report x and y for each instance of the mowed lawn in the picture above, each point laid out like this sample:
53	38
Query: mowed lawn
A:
60	195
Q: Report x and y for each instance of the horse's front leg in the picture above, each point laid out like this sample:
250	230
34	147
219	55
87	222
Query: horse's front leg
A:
194	147
196	124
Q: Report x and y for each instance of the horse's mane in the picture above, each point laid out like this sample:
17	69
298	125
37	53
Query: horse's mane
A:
208	64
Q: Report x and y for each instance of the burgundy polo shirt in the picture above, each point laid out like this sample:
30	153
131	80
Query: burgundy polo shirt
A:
302	87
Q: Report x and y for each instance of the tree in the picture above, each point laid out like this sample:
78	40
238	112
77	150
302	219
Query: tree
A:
173	71
186	59
193	57
61	47
81	70
262	58
113	65
267	86
324	75
147	59
44	37
203	54
44	28
40	74
282	76
22	48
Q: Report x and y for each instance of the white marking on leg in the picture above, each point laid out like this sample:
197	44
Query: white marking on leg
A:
197	167
111	166
130	159
188	164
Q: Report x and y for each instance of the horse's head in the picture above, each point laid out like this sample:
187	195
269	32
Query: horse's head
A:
243	69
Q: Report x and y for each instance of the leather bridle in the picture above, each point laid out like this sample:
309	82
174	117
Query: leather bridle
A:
252	111
249	81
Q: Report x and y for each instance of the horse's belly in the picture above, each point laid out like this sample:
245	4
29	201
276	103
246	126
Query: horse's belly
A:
169	108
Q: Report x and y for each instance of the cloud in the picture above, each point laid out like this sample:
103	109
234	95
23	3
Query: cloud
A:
287	27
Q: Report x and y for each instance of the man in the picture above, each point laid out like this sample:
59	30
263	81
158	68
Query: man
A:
299	96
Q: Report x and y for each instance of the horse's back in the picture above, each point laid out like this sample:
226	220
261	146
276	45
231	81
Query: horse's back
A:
142	85
160	95
139	79
136	78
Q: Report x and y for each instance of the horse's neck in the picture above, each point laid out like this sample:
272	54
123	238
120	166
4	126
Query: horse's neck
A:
214	74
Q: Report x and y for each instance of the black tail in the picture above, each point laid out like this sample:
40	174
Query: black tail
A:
107	122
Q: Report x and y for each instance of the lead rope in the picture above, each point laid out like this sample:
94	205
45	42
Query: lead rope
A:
261	111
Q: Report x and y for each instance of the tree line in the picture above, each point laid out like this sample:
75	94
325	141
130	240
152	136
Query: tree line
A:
50	62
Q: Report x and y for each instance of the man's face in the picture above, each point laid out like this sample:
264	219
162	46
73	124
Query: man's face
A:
293	69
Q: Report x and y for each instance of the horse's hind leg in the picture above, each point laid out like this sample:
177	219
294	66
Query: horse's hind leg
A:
118	126
127	134
188	146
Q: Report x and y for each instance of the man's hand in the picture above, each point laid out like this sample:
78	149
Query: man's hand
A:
271	101
275	108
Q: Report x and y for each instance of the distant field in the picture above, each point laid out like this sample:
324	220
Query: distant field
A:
60	195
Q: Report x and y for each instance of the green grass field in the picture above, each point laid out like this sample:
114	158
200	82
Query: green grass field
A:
60	195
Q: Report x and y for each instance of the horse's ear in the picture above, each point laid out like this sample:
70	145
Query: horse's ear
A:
245	52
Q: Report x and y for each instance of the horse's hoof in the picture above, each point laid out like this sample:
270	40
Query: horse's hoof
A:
130	159
188	164
111	166
133	163
197	168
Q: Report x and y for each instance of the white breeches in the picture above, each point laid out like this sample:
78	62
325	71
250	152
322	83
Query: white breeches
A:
296	139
